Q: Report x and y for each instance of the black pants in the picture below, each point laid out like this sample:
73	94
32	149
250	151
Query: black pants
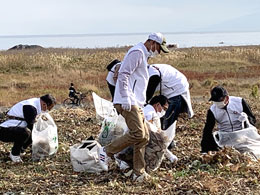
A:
177	105
21	137
111	89
75	97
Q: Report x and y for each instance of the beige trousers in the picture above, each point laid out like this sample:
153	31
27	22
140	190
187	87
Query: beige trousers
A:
137	136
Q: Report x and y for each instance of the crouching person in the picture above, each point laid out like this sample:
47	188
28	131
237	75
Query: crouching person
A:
231	114
18	127
153	112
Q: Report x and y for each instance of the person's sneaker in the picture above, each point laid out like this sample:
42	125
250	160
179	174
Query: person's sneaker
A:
128	172
141	178
172	145
171	156
15	159
123	165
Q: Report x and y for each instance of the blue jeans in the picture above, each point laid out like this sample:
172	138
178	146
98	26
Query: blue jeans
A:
177	105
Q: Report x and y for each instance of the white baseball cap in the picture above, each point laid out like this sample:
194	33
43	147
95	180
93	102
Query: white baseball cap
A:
159	38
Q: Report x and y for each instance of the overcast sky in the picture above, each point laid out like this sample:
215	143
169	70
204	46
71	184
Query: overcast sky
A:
38	17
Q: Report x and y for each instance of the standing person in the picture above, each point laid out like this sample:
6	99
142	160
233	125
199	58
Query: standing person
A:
18	127
174	85
73	93
130	98
228	112
112	68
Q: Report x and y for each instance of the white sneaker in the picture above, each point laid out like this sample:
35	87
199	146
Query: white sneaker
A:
141	178
15	159
171	156
123	165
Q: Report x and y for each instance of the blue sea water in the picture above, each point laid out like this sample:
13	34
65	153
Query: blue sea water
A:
183	40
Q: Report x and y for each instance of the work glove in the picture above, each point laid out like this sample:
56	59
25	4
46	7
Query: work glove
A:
242	117
126	106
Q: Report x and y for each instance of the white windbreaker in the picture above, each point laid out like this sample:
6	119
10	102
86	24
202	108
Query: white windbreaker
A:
17	111
110	75
132	79
173	83
228	119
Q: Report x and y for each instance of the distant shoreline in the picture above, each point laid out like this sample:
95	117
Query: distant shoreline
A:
119	34
128	46
117	40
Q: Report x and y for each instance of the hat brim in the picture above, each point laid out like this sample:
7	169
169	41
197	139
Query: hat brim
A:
164	48
214	99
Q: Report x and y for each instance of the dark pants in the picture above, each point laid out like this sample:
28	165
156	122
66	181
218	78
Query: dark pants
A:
75	98
21	137
177	105
111	89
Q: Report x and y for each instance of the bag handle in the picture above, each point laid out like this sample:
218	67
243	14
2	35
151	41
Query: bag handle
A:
89	144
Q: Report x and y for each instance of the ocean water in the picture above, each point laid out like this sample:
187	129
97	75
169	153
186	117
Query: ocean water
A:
183	40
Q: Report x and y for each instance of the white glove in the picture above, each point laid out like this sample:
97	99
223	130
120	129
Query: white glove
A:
171	156
126	106
242	117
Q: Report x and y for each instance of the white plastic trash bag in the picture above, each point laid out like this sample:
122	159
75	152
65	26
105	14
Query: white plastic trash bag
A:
103	107
44	137
88	156
112	127
170	133
245	140
154	150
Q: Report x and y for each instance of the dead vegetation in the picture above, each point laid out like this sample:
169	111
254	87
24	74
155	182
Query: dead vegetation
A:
226	172
51	71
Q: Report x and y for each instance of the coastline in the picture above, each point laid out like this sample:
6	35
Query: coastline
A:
108	40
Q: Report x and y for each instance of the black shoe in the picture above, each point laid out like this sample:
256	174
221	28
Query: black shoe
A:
172	145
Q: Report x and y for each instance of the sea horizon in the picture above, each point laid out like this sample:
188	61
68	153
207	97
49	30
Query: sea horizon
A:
105	40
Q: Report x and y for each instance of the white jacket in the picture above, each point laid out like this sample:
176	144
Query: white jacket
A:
228	119
110	75
17	111
150	114
173	82
133	77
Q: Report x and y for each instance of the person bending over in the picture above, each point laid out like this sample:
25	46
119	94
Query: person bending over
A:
18	127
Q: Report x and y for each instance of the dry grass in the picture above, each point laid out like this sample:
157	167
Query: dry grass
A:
31	73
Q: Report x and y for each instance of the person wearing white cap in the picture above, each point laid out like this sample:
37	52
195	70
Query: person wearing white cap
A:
129	98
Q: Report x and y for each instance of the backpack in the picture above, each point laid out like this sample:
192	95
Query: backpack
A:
114	62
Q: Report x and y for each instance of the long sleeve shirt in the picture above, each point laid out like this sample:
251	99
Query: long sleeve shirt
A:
208	143
133	77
